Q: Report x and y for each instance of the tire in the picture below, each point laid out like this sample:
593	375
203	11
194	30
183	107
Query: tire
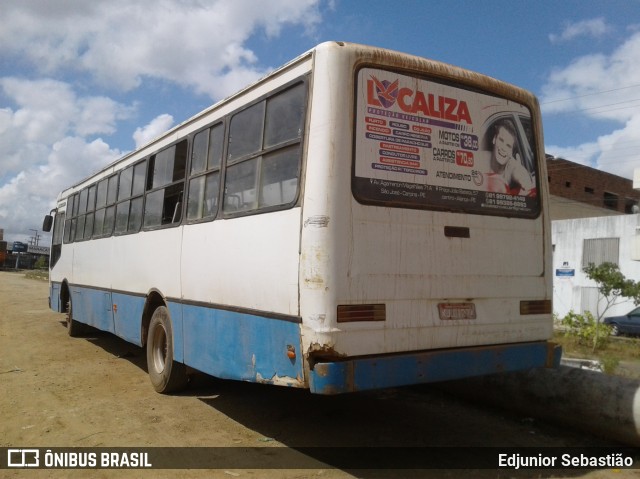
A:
615	331
166	374
74	328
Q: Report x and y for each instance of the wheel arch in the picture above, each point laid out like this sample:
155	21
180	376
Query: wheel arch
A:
154	300
65	296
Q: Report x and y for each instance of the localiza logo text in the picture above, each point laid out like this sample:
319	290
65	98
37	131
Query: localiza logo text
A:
386	94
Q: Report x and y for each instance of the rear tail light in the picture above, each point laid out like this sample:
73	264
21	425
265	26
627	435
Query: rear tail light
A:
542	306
361	312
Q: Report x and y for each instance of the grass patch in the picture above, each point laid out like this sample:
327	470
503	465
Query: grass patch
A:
41	274
611	354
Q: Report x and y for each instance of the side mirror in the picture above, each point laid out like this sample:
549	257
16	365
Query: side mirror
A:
47	223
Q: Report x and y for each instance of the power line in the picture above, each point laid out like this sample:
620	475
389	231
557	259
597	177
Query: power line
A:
612	104
591	94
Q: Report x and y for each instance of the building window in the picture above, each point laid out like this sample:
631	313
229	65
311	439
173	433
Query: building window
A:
610	201
589	190
600	250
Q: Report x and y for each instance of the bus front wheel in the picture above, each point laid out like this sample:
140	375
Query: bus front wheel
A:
166	374
74	328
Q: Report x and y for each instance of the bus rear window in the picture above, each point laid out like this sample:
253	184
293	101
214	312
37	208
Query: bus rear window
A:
422	144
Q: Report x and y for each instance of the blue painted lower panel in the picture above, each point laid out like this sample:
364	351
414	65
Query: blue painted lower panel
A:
430	366
54	297
234	345
127	316
225	344
93	307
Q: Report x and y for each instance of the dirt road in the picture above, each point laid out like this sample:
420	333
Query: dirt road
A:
57	391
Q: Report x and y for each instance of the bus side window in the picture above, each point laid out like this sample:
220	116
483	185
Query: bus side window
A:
204	185
106	195
165	186
70	222
264	152
129	208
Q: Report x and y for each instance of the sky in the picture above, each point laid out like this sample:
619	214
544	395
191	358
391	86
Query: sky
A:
84	82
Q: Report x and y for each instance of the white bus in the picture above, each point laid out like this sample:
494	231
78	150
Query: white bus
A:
358	219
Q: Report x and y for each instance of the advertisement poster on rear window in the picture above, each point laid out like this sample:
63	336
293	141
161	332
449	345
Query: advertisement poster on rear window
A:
423	144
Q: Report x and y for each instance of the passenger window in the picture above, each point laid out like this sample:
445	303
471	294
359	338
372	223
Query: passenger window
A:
126	178
109	220
122	216
88	225
79	223
240	190
105	197
245	132
128	217
216	144
163	204
138	178
204	189
279	178
101	196
199	152
112	189
285	116
135	214
66	237
70	229
266	175
83	202
91	199
98	222
203	196
79	230
76	204
168	165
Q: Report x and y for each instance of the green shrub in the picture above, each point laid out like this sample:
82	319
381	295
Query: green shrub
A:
586	330
41	263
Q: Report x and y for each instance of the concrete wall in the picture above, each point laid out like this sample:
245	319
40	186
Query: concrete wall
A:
573	292
603	405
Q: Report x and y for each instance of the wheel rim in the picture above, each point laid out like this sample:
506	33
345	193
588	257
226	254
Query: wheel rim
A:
159	349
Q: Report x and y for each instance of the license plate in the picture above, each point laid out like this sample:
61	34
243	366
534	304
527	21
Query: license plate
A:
450	311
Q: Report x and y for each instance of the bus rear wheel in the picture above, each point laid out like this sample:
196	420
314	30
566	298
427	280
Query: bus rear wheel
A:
166	374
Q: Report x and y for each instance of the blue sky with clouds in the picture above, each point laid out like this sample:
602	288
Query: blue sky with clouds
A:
82	83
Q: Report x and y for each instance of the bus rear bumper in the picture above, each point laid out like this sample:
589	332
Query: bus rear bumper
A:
360	374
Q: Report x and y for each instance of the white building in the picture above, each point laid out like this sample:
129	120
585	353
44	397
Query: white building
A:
578	242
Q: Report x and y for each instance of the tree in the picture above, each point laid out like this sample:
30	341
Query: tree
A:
41	263
612	286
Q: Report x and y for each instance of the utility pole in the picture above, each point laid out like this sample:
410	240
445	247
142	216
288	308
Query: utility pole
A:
35	239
